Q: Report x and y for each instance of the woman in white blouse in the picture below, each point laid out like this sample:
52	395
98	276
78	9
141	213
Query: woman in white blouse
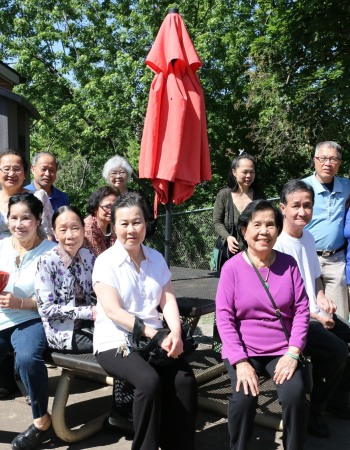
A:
131	280
21	329
13	168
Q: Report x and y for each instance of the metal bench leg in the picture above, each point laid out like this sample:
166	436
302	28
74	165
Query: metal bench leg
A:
58	413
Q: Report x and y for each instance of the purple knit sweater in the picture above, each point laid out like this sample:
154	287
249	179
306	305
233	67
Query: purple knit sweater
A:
246	319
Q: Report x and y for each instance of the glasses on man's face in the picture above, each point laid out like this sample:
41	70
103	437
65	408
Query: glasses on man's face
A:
106	208
121	173
7	170
323	159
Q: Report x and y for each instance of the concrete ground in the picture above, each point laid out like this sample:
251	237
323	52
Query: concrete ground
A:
89	399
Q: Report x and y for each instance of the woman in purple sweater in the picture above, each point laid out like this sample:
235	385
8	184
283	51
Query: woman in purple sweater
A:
253	340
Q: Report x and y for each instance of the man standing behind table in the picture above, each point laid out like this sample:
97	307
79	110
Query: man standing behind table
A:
44	168
327	225
327	337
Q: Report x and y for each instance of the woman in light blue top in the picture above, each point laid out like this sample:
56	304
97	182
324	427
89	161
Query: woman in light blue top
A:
21	329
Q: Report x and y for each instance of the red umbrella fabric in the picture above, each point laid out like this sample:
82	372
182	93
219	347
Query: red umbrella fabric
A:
174	145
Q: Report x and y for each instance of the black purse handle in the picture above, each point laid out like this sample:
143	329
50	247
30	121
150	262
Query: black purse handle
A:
231	212
277	311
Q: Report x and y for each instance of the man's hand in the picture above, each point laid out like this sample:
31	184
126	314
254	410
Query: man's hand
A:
326	322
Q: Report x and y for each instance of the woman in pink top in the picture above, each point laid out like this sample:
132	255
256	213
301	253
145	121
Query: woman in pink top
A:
254	342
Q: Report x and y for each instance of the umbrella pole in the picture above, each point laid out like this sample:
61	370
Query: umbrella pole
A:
168	224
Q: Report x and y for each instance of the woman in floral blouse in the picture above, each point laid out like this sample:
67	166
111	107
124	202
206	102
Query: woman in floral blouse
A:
99	233
63	285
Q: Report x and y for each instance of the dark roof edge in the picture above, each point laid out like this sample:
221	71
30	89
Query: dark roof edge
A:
21	79
22	101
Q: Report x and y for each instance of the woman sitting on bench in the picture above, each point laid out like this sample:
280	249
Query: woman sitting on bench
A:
21	330
132	280
63	286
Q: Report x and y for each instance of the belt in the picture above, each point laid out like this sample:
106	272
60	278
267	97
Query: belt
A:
326	253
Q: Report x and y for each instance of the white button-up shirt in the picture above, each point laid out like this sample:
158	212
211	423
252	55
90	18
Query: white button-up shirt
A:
140	293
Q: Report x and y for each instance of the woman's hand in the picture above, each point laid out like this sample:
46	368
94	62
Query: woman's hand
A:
326	322
173	344
8	300
94	313
247	376
285	369
232	244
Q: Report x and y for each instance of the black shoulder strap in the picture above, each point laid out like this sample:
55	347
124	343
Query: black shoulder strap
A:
231	211
277	311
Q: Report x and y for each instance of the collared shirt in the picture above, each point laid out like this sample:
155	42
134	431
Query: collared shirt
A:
21	282
55	293
140	293
327	224
57	197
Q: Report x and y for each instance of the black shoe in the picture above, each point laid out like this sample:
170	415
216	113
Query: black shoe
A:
342	412
28	439
317	426
120	418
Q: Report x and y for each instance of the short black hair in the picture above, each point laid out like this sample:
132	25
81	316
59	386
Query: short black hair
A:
129	200
97	196
232	181
33	203
63	209
14	151
253	207
294	186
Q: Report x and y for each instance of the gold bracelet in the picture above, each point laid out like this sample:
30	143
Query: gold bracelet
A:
21	303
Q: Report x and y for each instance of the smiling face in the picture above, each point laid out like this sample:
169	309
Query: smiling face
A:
325	172
297	212
13	179
22	223
261	232
103	212
118	178
130	226
69	232
245	172
44	171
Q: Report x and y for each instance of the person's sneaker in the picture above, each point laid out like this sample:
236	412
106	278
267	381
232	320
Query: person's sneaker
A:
342	412
317	425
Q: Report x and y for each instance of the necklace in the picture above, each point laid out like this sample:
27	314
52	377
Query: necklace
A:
268	271
107	235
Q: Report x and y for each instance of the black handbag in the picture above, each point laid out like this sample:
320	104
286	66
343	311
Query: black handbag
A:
150	349
221	253
306	365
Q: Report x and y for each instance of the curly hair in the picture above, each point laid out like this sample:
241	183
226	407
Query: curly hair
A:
97	196
113	163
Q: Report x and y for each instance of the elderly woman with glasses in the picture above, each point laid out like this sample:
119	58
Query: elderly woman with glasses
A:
99	232
117	171
13	168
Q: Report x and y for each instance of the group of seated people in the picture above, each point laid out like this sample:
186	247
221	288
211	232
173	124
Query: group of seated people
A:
295	256
55	275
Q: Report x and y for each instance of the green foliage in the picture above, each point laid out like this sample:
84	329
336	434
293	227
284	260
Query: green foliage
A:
275	78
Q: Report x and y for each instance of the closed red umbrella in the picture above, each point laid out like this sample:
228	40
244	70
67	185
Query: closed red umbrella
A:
174	148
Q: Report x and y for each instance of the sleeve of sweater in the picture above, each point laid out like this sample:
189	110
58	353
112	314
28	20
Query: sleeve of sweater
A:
219	215
225	315
301	311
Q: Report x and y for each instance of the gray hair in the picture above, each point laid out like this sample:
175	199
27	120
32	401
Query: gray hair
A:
36	157
330	144
113	163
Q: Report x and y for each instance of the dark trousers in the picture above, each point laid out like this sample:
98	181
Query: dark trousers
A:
81	343
28	341
165	403
331	363
291	395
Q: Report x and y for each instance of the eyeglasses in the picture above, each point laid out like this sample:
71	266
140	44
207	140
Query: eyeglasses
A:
7	170
323	159
106	208
115	174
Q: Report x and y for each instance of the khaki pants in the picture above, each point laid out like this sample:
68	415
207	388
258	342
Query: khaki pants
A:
334	282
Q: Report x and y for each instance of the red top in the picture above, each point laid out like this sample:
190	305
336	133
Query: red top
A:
174	144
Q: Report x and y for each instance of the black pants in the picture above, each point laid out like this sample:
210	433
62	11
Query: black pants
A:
291	395
165	403
81	343
331	363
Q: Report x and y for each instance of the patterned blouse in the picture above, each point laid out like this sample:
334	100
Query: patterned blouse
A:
95	240
55	290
